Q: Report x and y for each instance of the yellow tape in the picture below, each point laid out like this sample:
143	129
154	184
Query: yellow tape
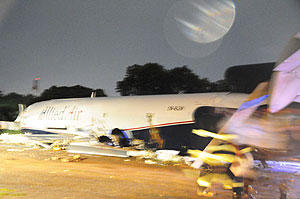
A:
207	156
238	184
246	150
203	183
225	147
205	133
225	186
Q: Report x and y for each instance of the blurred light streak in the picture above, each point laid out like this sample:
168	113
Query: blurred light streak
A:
283	166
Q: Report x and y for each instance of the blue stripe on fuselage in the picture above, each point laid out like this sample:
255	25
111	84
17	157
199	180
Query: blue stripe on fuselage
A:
34	131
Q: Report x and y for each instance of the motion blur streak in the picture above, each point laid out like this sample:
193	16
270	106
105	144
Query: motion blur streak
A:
286	77
282	166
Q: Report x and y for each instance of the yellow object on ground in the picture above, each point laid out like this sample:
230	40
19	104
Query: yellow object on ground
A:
221	178
56	148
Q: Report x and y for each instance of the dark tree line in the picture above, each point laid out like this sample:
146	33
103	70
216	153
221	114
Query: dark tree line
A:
77	91
9	103
154	79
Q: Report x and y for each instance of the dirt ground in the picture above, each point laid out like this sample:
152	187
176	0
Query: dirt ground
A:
39	173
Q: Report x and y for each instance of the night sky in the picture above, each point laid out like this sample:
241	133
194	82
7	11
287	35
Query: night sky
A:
91	43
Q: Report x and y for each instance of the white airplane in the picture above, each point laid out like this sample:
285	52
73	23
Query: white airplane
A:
123	119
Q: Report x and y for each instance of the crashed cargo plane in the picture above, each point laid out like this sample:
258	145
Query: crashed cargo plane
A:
120	120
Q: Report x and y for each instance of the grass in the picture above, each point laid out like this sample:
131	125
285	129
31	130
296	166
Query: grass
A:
9	192
10	132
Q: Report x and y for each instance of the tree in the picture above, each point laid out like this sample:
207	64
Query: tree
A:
13	99
153	79
77	91
148	79
220	86
183	80
7	113
9	105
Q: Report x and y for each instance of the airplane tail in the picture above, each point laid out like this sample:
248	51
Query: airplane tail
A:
21	110
285	81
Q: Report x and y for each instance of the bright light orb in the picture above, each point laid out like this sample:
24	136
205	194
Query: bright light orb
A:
205	21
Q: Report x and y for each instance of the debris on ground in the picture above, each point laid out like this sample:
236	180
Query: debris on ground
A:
56	148
144	154
150	162
4	125
162	157
75	158
14	139
86	146
96	149
59	145
283	190
48	141
64	160
138	144
168	155
268	182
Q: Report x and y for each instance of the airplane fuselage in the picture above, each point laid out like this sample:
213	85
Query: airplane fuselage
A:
132	115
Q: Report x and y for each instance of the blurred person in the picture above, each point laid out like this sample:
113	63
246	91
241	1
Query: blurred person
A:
226	164
272	135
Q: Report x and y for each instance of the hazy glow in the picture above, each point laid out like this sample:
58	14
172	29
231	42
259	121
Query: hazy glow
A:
176	28
205	21
195	28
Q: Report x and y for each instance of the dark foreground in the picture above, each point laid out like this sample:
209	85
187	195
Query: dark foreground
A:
37	173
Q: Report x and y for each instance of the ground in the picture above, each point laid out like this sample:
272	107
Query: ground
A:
39	173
